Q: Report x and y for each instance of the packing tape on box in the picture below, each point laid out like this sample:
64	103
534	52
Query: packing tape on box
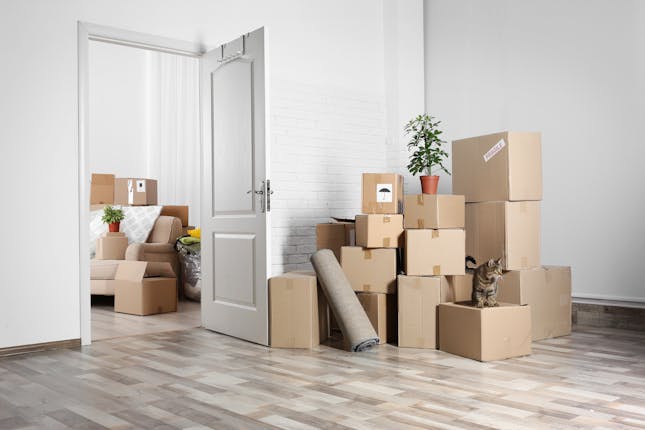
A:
420	223
435	234
367	254
416	284
386	242
436	270
420	200
386	219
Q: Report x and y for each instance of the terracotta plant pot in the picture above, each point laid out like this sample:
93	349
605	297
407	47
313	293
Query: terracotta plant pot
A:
113	227
429	184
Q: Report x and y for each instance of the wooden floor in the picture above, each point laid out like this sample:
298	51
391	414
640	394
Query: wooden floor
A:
194	379
107	324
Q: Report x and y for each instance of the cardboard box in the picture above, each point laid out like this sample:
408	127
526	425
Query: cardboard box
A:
434	211
369	270
504	229
102	189
381	311
335	235
135	191
180	212
418	299
294	311
435	252
134	294
379	231
485	334
382	193
459	288
548	292
498	167
111	246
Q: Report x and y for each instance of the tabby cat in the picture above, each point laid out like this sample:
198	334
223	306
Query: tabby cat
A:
485	279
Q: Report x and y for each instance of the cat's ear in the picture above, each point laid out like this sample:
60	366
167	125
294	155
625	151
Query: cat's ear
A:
499	261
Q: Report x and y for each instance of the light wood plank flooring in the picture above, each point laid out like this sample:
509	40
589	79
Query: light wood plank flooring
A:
593	379
107	324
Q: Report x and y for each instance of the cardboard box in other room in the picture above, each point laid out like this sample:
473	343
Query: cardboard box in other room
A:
134	294
434	211
418	298
504	229
180	212
111	246
459	288
381	311
485	334
498	167
295	312
102	189
135	191
435	252
369	270
382	193
334	236
548	292
379	231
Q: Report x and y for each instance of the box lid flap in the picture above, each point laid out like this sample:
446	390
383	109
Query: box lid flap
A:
131	270
102	179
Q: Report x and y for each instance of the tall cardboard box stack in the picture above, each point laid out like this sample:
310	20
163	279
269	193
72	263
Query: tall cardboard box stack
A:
500	176
434	248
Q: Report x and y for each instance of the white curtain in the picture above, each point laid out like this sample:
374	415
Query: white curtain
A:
173	130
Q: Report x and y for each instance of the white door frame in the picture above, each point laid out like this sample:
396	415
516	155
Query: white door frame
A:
87	32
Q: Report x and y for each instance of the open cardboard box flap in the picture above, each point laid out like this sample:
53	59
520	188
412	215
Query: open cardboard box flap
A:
136	270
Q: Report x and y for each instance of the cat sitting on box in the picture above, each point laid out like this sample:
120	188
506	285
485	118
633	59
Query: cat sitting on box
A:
485	277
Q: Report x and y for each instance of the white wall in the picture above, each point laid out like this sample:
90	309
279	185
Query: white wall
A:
574	70
332	46
118	121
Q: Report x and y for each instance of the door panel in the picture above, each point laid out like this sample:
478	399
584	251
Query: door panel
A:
234	171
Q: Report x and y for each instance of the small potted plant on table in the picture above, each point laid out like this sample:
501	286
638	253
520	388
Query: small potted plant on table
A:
427	151
112	217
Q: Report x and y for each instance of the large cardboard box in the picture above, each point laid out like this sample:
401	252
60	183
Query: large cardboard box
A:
418	298
379	231
459	288
134	294
381	311
435	252
548	291
434	211
135	191
369	270
102	189
295	311
504	229
335	235
111	246
485	334
382	193
502	166
180	212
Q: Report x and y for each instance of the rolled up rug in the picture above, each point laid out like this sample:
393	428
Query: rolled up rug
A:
349	313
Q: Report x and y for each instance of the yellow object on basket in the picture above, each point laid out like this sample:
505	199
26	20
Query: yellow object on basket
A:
195	233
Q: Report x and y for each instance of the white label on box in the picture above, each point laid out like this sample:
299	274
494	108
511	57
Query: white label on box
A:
494	150
384	193
141	186
130	192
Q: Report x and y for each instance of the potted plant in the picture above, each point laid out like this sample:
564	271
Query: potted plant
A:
427	151
112	217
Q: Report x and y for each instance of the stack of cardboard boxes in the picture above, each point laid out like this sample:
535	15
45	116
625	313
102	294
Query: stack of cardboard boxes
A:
495	212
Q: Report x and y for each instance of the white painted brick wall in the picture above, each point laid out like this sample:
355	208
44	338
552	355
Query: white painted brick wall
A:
322	140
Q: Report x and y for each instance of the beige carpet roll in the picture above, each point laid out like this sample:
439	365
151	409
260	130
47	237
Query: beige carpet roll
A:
349	313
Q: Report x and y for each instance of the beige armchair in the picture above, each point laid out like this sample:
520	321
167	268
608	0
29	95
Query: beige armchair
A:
159	248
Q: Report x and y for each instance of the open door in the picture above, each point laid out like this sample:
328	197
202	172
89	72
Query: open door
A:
235	189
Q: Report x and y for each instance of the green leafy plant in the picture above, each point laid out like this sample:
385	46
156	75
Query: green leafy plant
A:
112	215
425	144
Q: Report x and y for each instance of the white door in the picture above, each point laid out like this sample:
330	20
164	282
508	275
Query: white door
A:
235	190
